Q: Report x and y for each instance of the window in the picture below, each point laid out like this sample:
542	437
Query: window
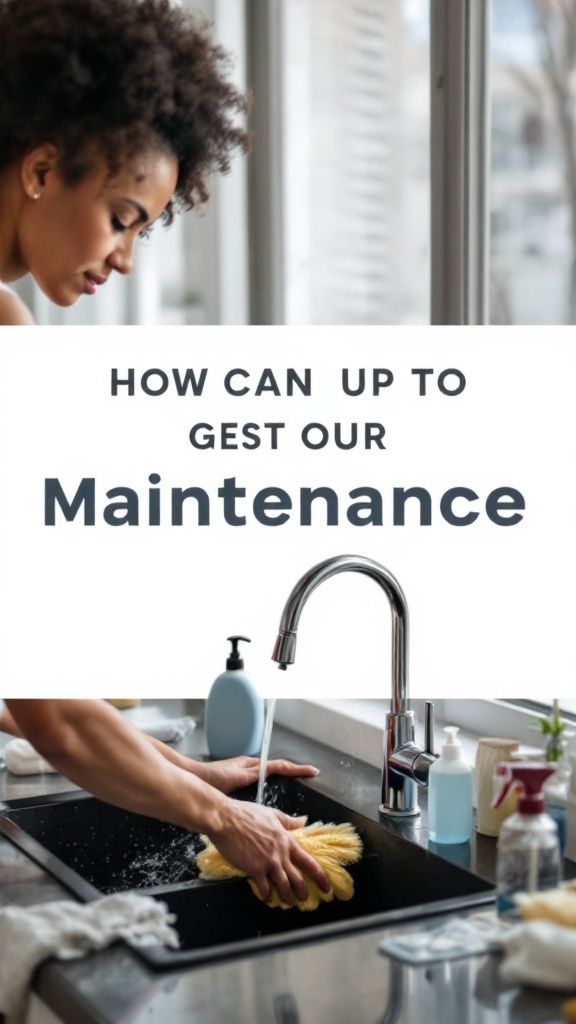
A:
328	222
356	160
533	190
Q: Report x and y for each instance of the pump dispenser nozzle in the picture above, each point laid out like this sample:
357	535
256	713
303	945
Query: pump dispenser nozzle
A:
451	748
527	777
234	659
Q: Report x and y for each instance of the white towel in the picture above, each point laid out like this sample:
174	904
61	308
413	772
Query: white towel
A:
540	953
21	758
67	930
166	729
537	952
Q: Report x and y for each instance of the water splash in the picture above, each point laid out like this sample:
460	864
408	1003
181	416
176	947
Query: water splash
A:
174	862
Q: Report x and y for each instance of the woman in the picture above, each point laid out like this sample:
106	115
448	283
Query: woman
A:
113	114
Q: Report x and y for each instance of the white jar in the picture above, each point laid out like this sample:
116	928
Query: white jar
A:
492	750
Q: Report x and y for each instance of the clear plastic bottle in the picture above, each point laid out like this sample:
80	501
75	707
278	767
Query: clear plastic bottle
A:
571	810
450	794
555	791
528	848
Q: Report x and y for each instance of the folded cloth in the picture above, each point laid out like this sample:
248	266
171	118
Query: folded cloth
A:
67	930
331	845
167	729
541	949
151	720
22	759
540	953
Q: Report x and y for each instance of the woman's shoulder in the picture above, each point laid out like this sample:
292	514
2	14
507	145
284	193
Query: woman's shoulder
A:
13	311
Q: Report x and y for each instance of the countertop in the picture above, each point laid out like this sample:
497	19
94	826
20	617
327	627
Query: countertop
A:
339	979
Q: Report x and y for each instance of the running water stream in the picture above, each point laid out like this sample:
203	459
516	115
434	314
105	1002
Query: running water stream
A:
268	723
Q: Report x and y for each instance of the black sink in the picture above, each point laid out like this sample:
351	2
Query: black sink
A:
111	849
94	848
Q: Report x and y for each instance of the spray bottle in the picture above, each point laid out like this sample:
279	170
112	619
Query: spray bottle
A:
528	847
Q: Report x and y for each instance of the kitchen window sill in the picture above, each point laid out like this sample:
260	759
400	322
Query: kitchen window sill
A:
355	727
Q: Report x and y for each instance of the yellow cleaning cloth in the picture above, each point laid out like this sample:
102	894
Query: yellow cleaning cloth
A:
331	845
557	905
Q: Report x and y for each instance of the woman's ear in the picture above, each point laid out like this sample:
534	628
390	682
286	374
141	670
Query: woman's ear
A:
37	165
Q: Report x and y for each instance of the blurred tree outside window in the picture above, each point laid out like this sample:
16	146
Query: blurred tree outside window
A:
533	188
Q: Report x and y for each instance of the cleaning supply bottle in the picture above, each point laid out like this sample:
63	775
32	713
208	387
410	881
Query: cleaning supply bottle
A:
490	752
555	791
450	794
234	710
528	857
571	810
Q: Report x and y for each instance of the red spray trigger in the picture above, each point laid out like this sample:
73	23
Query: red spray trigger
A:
527	777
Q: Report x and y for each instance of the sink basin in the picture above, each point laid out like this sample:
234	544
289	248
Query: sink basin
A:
94	848
110	849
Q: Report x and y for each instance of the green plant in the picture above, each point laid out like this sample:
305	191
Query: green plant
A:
553	728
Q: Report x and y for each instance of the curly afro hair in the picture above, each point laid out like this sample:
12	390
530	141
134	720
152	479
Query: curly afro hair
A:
124	74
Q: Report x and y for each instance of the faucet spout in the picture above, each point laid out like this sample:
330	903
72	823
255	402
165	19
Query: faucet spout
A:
285	647
404	763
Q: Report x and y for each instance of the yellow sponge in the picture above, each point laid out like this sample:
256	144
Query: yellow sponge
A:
331	845
558	905
569	1010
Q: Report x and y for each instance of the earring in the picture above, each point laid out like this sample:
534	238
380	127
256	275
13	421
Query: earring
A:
36	195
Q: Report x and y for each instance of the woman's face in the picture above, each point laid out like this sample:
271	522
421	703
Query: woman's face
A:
72	237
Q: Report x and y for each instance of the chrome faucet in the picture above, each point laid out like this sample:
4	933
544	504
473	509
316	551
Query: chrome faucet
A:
404	764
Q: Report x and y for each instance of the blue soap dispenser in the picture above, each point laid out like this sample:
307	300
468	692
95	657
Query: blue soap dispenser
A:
450	794
234	710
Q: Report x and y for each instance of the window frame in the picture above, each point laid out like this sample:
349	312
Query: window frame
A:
460	161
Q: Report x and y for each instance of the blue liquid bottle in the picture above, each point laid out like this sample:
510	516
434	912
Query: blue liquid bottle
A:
234	710
450	794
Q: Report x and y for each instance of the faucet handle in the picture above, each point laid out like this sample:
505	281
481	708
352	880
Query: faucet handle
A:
429	728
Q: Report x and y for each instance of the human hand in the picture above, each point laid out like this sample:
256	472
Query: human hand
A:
236	772
258	840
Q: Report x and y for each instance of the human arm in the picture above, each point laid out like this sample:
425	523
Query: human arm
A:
7	723
232	773
96	748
